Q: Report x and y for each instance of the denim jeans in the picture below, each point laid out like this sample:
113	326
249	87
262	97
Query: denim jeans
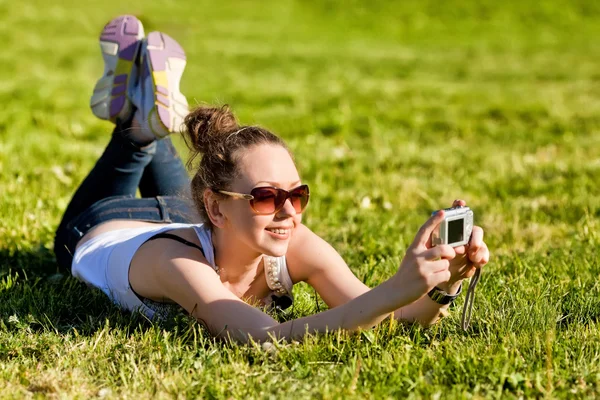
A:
108	192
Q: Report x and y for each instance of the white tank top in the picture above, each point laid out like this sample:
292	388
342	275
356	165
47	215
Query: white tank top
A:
103	262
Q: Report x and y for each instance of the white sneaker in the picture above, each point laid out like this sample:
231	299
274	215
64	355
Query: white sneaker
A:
120	42
161	107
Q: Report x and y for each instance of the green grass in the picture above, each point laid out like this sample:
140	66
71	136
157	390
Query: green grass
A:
411	104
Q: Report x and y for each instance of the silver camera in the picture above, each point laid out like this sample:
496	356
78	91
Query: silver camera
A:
455	230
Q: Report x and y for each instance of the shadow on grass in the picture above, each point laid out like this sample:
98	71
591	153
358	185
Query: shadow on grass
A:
36	295
579	308
31	262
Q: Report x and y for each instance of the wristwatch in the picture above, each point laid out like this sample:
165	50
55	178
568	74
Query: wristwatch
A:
439	296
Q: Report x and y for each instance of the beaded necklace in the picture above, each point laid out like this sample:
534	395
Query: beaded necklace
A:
272	271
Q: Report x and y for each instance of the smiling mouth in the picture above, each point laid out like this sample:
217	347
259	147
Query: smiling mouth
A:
278	231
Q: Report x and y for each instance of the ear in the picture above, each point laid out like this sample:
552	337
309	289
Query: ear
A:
211	202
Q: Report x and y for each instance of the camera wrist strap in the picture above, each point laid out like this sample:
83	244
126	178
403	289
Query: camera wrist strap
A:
465	320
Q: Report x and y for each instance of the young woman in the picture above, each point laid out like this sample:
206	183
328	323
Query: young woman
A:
243	243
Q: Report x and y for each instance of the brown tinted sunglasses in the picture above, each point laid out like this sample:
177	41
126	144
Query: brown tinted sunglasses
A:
269	200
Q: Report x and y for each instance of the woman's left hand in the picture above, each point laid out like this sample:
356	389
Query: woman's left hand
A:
469	257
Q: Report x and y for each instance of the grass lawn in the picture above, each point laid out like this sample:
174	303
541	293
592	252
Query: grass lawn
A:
393	109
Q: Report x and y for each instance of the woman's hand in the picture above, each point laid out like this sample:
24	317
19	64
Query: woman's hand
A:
423	266
468	258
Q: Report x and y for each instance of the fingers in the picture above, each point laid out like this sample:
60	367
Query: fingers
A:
443	252
480	257
424	233
438	266
478	251
436	272
439	277
476	237
459	203
460	250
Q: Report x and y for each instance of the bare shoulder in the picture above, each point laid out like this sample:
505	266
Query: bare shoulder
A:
301	234
314	261
307	253
158	257
302	237
165	249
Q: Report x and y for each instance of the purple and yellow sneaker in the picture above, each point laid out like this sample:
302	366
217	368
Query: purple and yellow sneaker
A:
161	107
120	42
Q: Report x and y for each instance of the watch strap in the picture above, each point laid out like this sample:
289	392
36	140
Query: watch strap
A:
441	297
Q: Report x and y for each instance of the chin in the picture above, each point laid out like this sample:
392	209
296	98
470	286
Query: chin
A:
274	245
275	251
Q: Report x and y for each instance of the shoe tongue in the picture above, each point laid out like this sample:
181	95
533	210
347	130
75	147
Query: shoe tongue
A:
145	70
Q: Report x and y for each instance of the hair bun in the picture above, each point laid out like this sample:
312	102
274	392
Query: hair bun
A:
207	126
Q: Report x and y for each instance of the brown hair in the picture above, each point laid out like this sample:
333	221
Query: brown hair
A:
214	133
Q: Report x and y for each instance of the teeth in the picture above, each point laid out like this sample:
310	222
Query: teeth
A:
279	231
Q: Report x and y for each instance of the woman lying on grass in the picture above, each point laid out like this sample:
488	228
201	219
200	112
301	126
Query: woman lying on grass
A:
250	247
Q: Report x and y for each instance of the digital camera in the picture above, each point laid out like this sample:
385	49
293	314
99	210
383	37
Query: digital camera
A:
455	230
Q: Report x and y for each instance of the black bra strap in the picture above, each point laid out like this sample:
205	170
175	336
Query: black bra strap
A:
166	235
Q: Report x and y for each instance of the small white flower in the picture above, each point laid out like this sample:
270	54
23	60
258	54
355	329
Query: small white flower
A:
365	202
339	152
269	348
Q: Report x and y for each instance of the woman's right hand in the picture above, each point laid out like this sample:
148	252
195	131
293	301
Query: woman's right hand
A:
424	267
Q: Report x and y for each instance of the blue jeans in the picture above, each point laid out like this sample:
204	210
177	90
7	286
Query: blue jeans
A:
108	192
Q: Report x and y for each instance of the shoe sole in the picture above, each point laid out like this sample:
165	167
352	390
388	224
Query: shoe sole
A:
120	42
166	61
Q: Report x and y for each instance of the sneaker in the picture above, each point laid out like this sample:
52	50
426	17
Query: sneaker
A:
161	107
120	42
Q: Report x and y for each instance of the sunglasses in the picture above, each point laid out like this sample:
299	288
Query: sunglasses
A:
269	200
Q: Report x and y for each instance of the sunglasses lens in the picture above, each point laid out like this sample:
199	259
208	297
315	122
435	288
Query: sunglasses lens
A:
265	200
269	200
299	197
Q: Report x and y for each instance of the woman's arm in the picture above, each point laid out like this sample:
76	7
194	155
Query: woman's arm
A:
198	289
325	270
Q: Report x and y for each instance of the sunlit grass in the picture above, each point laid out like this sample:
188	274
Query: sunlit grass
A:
392	110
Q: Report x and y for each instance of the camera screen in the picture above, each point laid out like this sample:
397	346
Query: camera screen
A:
455	230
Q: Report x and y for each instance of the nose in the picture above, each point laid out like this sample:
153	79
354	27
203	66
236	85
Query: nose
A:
287	210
